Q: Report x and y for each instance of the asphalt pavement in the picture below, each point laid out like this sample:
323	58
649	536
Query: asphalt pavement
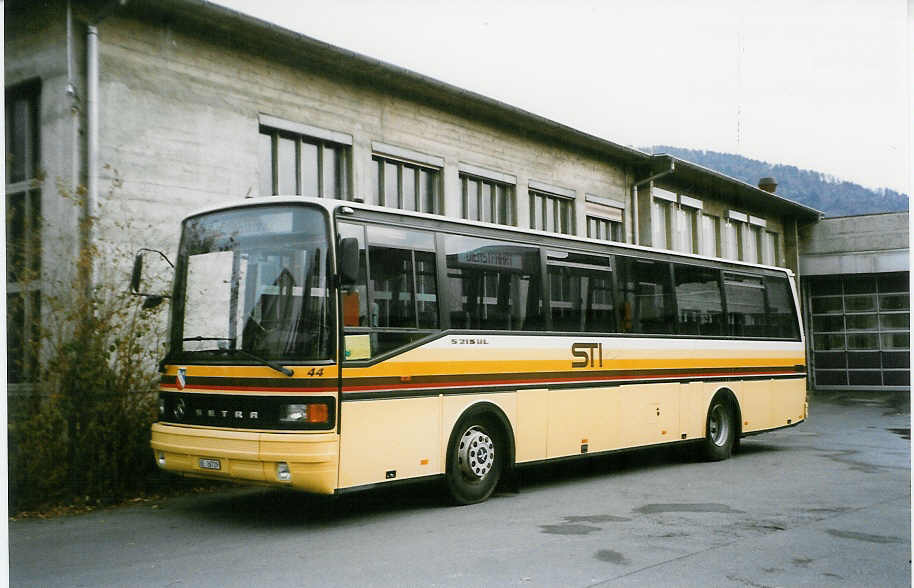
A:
826	503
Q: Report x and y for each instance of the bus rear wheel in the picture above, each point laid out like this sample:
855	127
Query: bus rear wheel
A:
475	459
721	430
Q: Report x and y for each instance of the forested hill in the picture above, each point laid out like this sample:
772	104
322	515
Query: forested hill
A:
814	189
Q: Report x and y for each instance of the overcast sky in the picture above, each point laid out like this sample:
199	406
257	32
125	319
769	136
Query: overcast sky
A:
817	84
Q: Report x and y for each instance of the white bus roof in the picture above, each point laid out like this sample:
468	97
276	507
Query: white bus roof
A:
332	205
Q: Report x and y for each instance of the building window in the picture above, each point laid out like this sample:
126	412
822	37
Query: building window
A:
298	164
686	229
487	200
750	238
661	223
735	231
551	212
710	235
731	236
406	185
23	232
769	248
604	229
604	217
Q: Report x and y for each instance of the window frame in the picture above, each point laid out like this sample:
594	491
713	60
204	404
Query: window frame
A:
419	332
323	140
555	199
667	261
613	227
28	276
379	162
710	247
510	198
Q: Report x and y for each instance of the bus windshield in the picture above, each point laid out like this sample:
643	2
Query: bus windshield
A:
254	282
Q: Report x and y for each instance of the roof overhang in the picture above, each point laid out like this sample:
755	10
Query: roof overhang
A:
696	179
223	25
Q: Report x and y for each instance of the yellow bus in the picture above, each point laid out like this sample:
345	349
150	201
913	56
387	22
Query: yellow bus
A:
331	346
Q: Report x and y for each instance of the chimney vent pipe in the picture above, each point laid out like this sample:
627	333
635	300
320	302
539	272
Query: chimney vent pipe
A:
768	184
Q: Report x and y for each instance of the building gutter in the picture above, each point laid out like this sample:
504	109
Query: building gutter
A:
635	186
74	105
92	151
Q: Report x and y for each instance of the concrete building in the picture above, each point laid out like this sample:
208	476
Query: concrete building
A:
160	108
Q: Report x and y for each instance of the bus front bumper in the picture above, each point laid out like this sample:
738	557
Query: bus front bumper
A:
247	456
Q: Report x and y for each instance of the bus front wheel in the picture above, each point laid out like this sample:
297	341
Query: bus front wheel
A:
721	430
475	459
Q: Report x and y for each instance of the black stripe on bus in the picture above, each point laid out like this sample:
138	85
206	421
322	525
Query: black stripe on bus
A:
513	379
391	393
581	375
235	382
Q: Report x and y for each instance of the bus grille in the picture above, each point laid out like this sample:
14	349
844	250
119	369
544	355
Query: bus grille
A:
238	411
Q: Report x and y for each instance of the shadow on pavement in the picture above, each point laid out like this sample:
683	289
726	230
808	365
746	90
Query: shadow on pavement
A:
280	508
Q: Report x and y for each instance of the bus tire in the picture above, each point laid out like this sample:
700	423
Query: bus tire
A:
475	459
721	428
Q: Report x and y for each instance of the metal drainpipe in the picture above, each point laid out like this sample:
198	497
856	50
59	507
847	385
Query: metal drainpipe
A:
74	105
635	217
92	122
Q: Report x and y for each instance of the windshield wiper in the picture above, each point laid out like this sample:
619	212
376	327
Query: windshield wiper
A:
279	368
199	338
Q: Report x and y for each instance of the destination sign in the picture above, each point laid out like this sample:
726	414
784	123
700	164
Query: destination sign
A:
492	258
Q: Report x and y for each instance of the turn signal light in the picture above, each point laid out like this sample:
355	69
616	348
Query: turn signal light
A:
317	412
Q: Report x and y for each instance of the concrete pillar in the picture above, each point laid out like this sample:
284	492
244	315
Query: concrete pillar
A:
453	192
523	202
791	245
644	219
362	168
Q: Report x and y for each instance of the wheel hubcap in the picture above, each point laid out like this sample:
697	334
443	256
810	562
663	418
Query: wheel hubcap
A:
719	425
475	453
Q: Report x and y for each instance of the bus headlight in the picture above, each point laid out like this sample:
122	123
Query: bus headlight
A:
313	413
282	471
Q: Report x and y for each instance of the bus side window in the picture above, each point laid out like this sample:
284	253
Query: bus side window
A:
493	285
395	299
581	292
402	277
782	316
698	300
645	289
402	286
745	296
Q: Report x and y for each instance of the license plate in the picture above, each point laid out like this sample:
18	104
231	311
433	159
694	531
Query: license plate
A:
210	464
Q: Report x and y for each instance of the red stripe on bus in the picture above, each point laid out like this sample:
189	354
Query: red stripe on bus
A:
498	382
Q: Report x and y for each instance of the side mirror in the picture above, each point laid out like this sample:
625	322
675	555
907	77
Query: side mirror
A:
137	287
349	261
152	301
137	273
